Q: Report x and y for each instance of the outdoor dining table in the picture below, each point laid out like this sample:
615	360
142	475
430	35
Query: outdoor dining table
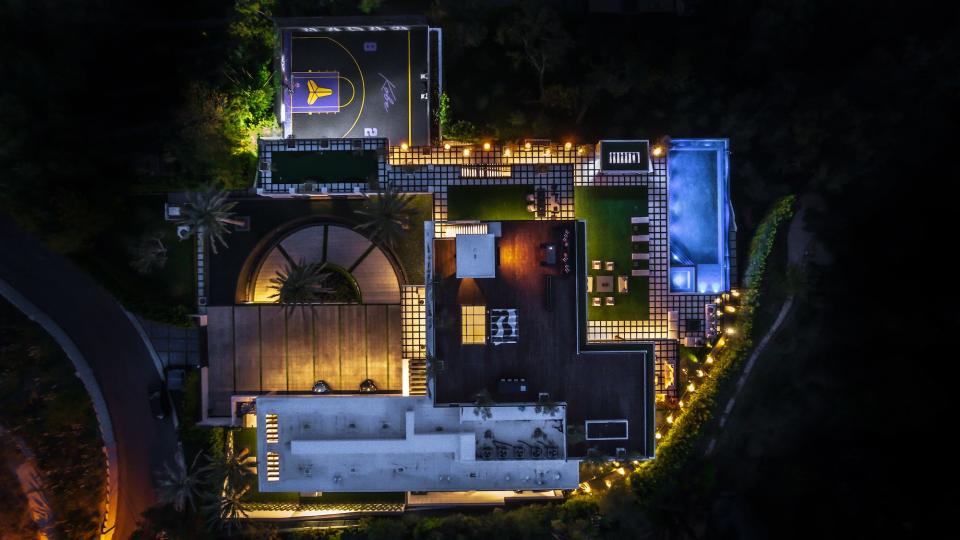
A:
604	283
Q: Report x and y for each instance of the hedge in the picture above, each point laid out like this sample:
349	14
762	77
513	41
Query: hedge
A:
684	436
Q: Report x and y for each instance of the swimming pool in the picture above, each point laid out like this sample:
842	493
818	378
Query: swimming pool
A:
699	215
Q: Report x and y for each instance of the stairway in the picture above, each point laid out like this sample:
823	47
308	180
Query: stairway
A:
418	377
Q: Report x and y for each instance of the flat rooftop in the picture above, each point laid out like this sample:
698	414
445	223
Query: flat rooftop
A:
595	384
379	443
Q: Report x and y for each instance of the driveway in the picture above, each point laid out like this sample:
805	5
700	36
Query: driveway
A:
120	363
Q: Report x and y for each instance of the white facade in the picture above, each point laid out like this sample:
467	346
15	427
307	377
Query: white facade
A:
403	443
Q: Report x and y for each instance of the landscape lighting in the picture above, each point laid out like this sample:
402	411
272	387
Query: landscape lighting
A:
466	152
506	152
446	146
622	471
670	419
486	146
730	309
527	146
730	331
567	145
658	435
657	151
691	387
709	359
403	146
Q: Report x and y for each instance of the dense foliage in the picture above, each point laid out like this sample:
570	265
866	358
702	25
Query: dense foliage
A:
44	403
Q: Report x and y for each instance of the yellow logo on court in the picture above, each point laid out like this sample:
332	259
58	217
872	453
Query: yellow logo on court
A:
316	92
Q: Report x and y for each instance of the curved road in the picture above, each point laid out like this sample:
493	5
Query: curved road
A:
119	360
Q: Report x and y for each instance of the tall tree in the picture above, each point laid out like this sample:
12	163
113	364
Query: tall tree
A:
179	484
208	214
536	36
300	283
226	511
388	216
233	471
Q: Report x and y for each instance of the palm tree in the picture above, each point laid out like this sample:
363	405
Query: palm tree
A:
234	470
179	484
207	214
388	216
226	511
150	254
300	283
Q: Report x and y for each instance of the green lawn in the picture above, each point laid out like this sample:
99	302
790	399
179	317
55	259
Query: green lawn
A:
607	212
488	203
297	167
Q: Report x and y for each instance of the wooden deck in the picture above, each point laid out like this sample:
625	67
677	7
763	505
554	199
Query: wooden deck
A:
255	349
596	385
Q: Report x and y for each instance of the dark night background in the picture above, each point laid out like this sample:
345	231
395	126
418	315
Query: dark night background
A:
850	104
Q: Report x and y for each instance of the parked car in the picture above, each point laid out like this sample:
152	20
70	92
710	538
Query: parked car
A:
368	386
321	387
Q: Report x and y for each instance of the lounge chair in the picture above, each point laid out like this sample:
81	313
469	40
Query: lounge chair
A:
608	301
609	266
623	284
595	301
595	265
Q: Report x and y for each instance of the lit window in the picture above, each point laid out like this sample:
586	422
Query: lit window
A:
272	428
273	466
473	327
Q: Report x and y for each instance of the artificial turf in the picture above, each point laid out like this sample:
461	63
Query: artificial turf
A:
487	203
297	167
607	212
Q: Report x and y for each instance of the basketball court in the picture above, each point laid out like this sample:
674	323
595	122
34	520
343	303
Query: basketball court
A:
356	81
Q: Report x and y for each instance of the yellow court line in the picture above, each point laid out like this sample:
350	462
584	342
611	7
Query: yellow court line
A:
363	85
352	88
409	96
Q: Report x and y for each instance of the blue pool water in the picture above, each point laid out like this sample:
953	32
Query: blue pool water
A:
698	200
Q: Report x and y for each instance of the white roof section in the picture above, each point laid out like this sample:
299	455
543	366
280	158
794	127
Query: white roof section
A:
476	256
404	443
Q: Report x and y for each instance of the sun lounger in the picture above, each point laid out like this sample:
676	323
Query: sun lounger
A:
608	301
640	238
595	301
595	265
609	266
640	256
639	273
639	220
